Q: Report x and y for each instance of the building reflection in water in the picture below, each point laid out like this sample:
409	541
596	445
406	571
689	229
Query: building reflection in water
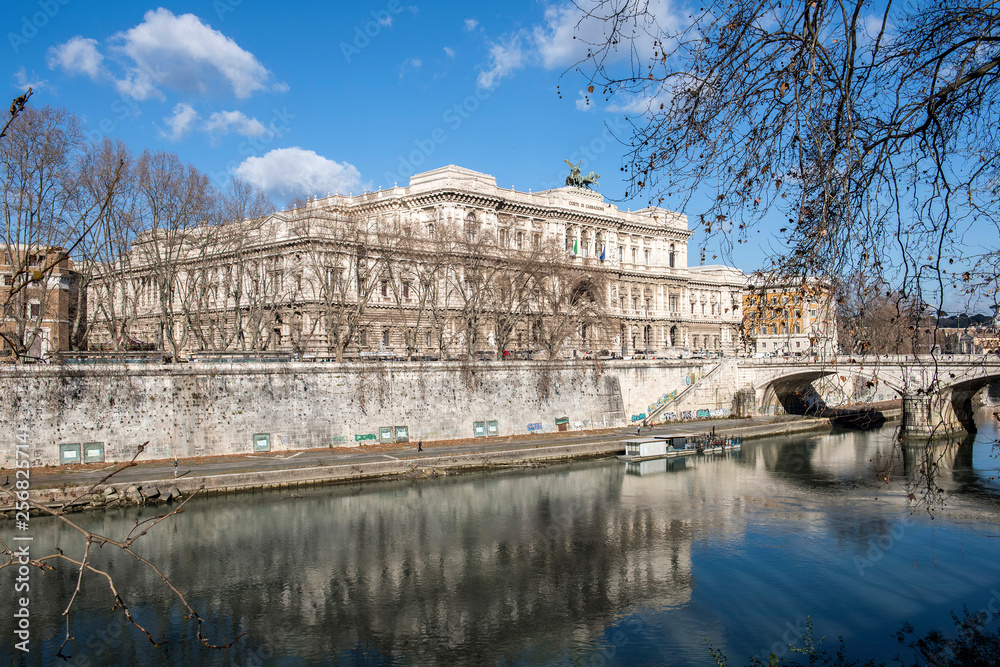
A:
515	565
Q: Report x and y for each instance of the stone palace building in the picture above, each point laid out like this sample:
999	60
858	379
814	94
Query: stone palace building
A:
450	266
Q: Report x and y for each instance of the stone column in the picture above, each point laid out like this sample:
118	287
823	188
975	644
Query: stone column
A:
931	415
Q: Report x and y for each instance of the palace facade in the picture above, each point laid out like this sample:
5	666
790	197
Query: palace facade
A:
450	266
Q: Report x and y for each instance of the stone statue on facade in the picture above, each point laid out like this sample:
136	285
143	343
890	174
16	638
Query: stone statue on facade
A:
576	179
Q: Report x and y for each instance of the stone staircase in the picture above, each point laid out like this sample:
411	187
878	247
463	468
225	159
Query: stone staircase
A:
705	392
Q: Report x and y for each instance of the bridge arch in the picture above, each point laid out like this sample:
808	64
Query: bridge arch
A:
960	395
788	387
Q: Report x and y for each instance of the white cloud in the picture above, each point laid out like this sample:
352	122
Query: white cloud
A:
640	104
139	85
181	122
506	57
221	122
555	39
450	52
185	54
471	24
23	81
584	103
296	172
410	65
181	53
570	30
77	56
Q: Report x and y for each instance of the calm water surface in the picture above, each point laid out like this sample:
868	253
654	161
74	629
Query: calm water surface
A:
574	564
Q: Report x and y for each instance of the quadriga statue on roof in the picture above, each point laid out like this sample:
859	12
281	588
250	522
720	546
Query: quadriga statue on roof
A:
576	179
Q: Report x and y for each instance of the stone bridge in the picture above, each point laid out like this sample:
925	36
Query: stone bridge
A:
936	390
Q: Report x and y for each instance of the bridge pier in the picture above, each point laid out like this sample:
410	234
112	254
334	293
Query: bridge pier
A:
933	415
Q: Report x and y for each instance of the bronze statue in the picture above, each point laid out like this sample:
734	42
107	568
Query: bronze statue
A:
575	178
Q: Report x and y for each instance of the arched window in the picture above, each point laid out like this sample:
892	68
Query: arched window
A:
798	328
672	256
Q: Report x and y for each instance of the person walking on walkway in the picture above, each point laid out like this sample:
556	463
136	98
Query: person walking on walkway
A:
175	466
420	445
637	428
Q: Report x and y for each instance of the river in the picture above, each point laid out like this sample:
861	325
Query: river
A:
581	563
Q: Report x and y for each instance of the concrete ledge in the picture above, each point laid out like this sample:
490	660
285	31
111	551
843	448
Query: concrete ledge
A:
295	477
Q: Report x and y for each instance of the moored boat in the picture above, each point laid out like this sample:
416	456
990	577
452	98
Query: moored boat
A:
674	445
659	447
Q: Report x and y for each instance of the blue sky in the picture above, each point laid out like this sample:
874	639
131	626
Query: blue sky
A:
326	97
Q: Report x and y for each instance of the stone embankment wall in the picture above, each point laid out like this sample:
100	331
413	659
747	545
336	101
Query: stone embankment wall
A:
211	409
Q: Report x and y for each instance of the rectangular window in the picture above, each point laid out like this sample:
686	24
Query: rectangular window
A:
385	288
428	339
519	240
536	241
504	237
621	254
363	337
34	310
635	255
385	338
406	290
646	253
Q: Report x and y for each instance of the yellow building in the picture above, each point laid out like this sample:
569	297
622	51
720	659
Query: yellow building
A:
790	318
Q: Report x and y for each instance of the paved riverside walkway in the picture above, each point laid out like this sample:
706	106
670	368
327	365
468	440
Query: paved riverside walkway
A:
435	453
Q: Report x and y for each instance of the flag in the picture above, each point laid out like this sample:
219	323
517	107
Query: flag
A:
602	254
574	247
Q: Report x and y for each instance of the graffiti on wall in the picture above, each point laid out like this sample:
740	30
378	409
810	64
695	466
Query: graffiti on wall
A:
358	437
653	407
534	428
